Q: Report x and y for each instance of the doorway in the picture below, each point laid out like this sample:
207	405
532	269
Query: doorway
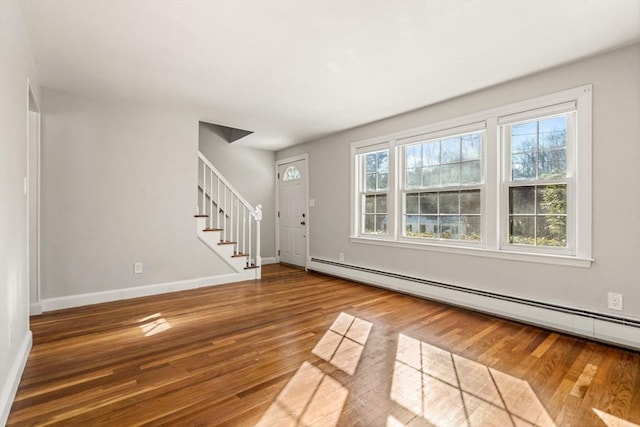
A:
292	216
32	188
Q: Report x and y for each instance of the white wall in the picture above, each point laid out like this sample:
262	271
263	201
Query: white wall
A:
251	172
616	206
16	67
119	186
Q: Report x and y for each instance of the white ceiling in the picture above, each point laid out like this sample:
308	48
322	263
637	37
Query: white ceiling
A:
292	71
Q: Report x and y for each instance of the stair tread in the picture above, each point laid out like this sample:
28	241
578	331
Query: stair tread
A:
212	229
239	255
201	216
252	266
228	243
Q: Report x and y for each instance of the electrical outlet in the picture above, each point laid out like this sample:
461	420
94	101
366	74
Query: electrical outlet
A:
341	256
614	301
137	268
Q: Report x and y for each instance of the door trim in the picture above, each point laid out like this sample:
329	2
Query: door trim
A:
280	162
35	307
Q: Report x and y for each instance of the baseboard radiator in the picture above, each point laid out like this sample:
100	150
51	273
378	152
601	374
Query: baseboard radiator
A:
616	330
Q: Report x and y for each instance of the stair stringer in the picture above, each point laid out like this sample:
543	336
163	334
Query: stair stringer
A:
225	251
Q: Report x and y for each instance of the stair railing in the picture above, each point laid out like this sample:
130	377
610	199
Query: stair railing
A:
229	212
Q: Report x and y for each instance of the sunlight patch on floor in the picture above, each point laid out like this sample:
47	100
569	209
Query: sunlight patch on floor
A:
310	398
448	389
154	324
612	420
343	343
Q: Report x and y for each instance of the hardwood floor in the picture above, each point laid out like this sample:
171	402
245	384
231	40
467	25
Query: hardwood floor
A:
299	348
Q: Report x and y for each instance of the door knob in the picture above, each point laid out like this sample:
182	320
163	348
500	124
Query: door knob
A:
302	223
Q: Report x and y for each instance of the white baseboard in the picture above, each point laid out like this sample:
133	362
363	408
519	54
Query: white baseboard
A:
60	303
576	322
35	308
10	387
269	260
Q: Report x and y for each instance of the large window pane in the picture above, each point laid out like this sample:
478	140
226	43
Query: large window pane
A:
445	162
553	132
383	181
414	178
371	182
522	230
449	227
451	215
538	149
470	202
383	162
381	224
451	174
370	204
552	199
411	204
522	200
471	147
551	231
471	172
413	156
428	226
412	225
369	223
431	153
450	150
431	176
449	202
523	166
524	137
381	204
429	203
448	162
470	227
552	164
370	163
545	207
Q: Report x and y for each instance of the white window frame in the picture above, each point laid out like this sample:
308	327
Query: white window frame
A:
359	188
507	183
494	194
401	145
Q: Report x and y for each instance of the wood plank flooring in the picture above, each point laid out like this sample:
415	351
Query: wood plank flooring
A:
303	349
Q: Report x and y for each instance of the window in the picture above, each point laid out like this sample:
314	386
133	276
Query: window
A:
374	192
537	181
442	188
513	182
291	174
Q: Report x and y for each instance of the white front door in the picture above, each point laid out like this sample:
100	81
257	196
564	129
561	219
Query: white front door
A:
292	212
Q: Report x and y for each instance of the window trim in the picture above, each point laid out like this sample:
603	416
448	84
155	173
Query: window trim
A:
479	127
493	210
359	188
570	109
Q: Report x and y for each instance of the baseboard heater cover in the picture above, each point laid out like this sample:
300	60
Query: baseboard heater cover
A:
599	326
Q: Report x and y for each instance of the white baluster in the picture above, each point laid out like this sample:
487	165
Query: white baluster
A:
204	182
258	221
237	224
210	221
218	203
244	229
232	197
249	257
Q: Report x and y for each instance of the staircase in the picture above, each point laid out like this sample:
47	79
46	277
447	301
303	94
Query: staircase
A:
227	223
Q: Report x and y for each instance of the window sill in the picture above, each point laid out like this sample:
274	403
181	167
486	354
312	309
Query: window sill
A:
564	260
